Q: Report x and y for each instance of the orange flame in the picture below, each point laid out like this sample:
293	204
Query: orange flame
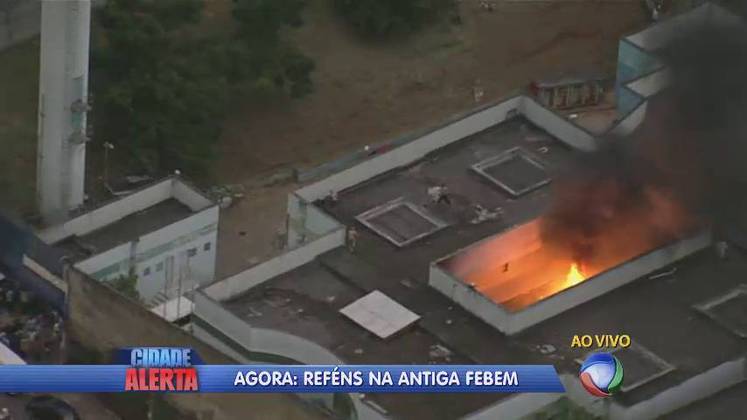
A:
574	276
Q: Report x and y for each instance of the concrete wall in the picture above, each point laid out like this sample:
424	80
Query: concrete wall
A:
606	282
575	392
630	121
505	247
307	222
412	151
262	342
556	125
513	322
189	195
241	282
125	323
109	213
696	388
149	257
468	298
632	62
651	84
634	93
628	100
658	36
302	219
19	20
120	208
636	53
514	407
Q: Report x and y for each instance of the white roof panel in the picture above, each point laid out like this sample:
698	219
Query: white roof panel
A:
379	314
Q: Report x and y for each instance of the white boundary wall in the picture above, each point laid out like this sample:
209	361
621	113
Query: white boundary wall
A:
412	151
245	280
513	322
694	389
628	124
154	248
476	122
304	222
271	342
260	339
556	125
123	207
657	36
515	407
651	84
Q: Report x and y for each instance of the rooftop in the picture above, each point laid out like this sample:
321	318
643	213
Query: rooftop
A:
659	313
127	218
672	339
723	405
306	302
126	229
453	167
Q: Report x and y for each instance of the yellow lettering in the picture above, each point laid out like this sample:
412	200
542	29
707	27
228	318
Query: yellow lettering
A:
624	341
586	340
575	342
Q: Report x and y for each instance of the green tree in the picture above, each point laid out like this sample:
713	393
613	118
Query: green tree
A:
262	56
384	18
162	86
155	91
127	285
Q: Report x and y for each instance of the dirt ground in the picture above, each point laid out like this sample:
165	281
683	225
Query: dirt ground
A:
364	93
368	93
19	80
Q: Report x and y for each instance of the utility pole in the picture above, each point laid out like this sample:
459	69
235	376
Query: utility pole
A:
107	147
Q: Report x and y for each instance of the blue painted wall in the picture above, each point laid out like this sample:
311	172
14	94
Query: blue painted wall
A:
632	63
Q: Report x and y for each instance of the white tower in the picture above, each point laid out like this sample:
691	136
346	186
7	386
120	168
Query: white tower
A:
63	96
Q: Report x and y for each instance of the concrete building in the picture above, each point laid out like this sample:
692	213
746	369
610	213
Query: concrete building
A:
679	303
165	234
639	67
99	320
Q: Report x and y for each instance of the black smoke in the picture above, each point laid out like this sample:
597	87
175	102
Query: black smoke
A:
684	167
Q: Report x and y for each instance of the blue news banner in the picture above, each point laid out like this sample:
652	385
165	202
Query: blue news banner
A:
279	379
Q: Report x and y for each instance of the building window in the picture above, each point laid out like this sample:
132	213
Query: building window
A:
146	272
207	246
192	252
159	266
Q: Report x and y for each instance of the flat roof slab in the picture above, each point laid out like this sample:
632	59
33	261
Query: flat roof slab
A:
724	405
126	229
451	166
729	310
657	313
307	301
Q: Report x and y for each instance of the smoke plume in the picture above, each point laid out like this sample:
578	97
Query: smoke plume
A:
683	168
